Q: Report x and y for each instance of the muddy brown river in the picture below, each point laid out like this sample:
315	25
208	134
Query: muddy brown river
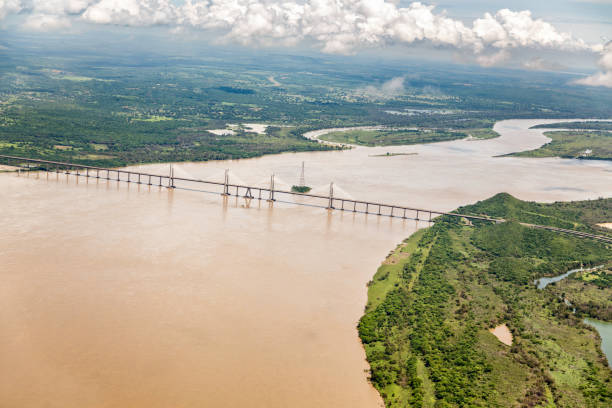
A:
117	295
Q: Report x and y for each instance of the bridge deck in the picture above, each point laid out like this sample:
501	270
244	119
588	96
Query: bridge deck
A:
247	191
269	193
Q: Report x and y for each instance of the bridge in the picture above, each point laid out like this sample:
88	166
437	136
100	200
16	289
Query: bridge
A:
226	188
270	194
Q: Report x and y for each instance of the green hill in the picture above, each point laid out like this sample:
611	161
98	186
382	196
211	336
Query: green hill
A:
433	301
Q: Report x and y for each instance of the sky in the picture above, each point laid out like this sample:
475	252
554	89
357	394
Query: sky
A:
538	35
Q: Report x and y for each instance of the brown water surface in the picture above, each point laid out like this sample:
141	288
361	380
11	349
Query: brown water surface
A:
117	295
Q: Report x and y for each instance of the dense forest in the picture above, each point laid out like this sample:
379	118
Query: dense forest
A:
432	303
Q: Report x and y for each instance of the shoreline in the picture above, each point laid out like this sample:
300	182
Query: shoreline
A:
407	281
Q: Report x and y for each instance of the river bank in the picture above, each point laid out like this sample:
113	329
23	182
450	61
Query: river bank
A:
605	332
427	323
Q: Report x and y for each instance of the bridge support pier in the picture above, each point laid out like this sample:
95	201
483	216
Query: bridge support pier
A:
22	164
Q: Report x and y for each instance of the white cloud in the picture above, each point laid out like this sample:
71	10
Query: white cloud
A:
58	7
335	26
45	22
603	78
388	89
493	59
598	79
540	64
131	12
9	7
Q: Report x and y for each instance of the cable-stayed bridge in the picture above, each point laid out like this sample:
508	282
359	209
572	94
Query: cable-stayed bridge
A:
253	192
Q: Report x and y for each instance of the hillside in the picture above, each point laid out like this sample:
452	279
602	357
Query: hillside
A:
432	303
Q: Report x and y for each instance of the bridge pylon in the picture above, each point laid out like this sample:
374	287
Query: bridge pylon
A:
330	205
302	178
271	196
226	183
170	178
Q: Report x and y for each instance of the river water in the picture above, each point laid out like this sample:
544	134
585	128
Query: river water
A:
117	295
605	332
544	282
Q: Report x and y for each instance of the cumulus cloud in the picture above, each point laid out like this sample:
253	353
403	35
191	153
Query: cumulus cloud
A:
540	64
131	12
335	26
9	7
45	22
489	60
603	78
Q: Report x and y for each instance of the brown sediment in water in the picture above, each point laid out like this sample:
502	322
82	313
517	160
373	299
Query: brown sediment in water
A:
503	334
4	167
129	295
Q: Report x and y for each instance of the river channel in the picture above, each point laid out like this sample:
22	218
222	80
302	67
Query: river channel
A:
120	295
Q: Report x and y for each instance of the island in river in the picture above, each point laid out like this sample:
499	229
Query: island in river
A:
590	140
386	136
432	305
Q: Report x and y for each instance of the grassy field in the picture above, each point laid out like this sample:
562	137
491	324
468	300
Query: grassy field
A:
587	140
431	303
389	137
594	145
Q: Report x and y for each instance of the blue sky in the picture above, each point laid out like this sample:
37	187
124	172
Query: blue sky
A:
590	19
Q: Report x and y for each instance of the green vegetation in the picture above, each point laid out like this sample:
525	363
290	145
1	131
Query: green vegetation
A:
432	302
577	215
590	140
301	189
590	292
86	135
394	154
113	111
592	125
574	144
388	137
